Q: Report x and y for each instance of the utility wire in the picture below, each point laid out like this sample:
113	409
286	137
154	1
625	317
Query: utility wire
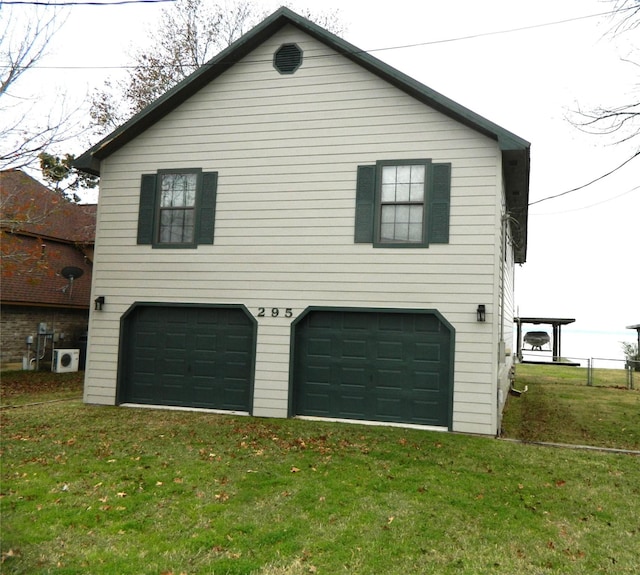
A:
589	206
79	3
507	31
401	47
404	46
588	183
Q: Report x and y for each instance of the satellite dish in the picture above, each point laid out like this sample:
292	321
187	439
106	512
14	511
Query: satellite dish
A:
71	272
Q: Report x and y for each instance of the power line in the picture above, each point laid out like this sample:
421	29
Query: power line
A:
79	3
588	183
590	205
507	31
401	47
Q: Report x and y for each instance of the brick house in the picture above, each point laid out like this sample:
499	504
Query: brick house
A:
47	254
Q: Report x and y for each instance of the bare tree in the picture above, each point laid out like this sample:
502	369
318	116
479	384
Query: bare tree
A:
621	120
24	42
188	35
626	15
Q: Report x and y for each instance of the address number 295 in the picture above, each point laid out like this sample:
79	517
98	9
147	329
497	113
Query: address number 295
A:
275	312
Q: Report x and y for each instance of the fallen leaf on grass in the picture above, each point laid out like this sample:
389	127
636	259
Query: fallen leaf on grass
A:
294	469
11	553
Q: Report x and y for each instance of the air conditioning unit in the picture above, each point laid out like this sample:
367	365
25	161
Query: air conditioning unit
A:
65	360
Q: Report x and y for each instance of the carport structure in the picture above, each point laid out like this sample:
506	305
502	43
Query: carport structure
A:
556	338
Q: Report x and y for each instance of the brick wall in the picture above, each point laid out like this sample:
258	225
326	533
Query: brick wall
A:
17	322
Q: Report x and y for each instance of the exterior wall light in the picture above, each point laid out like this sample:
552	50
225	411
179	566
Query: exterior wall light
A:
99	301
481	313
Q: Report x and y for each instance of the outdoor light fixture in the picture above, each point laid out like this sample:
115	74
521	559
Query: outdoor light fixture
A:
482	312
99	301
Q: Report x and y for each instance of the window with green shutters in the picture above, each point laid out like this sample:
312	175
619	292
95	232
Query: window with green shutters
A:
403	203
177	208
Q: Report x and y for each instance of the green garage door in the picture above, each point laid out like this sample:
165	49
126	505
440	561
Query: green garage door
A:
187	356
391	366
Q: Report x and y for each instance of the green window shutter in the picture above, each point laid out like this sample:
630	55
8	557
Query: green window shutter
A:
207	208
365	204
147	209
439	204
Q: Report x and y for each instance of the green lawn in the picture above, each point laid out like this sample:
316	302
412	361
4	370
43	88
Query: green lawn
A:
106	490
560	407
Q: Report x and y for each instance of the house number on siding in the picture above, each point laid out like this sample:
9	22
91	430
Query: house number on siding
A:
275	312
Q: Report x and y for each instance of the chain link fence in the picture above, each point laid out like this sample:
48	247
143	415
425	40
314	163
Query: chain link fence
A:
613	372
597	371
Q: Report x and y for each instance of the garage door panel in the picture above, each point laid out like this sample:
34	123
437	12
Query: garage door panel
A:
188	356
352	408
203	368
387	366
354	349
354	376
235	398
317	400
428	352
421	411
205	342
427	382
429	323
390	350
350	321
391	322
319	347
389	409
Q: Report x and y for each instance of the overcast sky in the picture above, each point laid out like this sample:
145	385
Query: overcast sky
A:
524	65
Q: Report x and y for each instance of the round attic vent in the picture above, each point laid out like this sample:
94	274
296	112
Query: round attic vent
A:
287	59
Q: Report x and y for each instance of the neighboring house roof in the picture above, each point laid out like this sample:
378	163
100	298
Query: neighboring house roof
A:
31	208
42	235
515	150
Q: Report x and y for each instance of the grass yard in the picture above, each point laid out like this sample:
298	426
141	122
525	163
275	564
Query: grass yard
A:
560	407
106	490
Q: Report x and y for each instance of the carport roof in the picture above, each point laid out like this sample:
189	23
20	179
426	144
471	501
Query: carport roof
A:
540	320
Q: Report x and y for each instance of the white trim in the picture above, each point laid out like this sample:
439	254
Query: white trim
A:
180	408
372	423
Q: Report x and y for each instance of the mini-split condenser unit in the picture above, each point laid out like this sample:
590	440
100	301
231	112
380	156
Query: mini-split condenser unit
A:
65	360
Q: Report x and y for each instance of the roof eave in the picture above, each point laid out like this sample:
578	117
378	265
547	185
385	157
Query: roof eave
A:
515	169
515	150
90	160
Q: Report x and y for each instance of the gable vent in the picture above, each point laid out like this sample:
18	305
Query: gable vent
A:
287	59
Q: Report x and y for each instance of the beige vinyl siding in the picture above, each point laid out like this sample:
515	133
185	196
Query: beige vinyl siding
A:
286	149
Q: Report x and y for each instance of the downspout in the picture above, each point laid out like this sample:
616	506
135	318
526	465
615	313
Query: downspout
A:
501	255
